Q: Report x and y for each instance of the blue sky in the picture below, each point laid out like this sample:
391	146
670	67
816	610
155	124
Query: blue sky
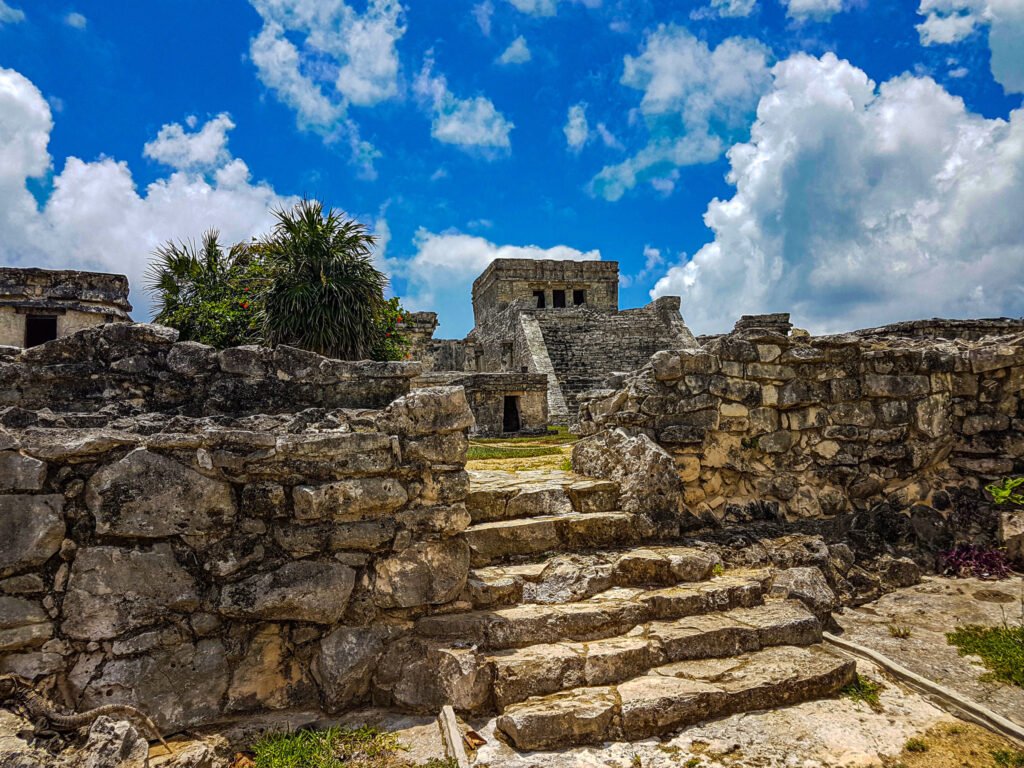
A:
852	161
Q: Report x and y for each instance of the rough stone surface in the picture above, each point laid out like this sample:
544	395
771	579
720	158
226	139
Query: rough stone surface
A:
146	495
427	573
114	744
31	530
315	591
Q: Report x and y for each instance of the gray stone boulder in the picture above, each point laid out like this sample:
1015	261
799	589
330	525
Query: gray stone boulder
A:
23	624
808	585
176	687
349	500
345	662
646	473
1011	533
147	495
114	744
306	590
427	573
112	590
428	411
20	473
31	530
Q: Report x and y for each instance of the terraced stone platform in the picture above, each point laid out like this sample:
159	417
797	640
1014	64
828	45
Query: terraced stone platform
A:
581	625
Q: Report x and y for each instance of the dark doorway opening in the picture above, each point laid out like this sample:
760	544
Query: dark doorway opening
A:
40	329
510	418
579	297
558	299
539	296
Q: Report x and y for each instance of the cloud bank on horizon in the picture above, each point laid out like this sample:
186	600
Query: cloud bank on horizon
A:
742	170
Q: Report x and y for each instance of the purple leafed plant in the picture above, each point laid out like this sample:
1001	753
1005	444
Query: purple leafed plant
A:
968	560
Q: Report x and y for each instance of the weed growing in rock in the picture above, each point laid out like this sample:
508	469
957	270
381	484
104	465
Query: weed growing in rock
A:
900	631
1005	492
866	690
1000	648
363	747
916	745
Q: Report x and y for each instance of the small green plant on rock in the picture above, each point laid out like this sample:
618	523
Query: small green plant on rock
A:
363	747
916	745
1001	649
900	631
1005	492
717	569
1008	758
864	689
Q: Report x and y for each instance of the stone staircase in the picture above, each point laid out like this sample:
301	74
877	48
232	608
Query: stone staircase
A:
581	627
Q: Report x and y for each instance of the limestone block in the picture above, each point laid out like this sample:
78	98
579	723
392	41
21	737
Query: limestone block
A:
776	442
269	676
307	590
808	585
23	624
114	744
978	423
147	495
345	662
1011	533
449	448
190	358
739	390
424	676
249	360
176	687
31	530
995	357
305	540
21	473
799	392
428	411
427	573
349	500
666	365
695	361
876	385
858	414
112	590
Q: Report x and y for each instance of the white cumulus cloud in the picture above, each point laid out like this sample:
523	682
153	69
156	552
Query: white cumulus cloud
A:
96	217
950	21
819	10
483	13
547	7
576	129
10	15
518	52
858	205
733	8
695	102
76	20
467	123
441	273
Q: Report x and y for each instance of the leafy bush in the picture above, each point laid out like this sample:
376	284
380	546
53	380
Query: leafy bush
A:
969	560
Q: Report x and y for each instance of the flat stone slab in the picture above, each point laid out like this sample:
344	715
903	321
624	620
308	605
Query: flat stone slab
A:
565	577
671	698
508	539
610	613
496	495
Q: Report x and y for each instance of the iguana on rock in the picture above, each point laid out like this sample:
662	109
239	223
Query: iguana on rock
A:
48	720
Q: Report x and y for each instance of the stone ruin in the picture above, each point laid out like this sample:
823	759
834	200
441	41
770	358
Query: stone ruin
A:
208	533
39	305
554	319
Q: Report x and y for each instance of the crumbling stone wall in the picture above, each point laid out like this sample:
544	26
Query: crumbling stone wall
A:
141	368
197	566
486	394
896	431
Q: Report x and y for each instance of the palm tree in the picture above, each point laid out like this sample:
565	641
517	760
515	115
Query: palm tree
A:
323	292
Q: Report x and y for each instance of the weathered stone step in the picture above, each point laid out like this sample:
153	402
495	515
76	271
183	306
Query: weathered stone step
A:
672	697
547	668
563	578
497	495
613	612
509	539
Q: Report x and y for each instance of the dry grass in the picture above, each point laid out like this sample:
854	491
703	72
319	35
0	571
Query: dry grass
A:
957	745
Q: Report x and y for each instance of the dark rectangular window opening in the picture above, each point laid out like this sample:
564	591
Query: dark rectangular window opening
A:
558	299
510	417
40	329
579	297
539	296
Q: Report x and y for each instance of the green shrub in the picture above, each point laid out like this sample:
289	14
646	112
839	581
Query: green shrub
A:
1005	491
864	689
915	745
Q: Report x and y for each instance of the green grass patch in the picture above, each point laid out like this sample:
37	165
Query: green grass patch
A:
915	745
1000	648
363	747
479	452
864	689
554	436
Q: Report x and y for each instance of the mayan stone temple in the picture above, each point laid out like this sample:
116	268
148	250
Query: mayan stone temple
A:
201	545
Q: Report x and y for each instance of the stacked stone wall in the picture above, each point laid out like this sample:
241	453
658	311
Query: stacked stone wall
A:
201	566
143	368
895	434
